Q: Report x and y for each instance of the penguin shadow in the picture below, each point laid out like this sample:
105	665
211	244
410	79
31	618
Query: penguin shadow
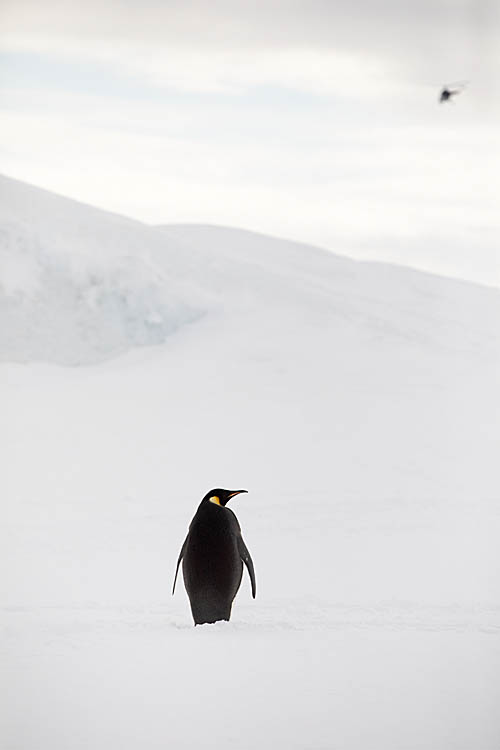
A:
236	627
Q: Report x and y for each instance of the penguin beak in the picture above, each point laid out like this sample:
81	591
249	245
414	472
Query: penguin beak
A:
236	492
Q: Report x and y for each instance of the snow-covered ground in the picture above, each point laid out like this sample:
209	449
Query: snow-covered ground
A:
358	403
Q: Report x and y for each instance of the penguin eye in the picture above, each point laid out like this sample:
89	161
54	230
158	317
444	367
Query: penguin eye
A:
215	499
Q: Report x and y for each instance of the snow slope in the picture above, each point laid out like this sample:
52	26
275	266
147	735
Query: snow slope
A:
78	285
358	404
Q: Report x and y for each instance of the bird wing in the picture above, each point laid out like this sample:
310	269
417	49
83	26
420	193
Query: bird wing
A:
245	556
181	555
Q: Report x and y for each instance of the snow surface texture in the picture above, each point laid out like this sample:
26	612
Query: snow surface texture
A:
359	405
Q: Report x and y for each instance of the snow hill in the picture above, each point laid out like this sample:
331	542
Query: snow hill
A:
78	285
359	405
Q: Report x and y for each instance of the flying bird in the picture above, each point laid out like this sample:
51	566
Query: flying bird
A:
451	90
212	558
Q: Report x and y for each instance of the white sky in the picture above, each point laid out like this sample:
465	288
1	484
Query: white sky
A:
315	120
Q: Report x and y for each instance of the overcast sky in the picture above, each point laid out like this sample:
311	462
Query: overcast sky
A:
315	120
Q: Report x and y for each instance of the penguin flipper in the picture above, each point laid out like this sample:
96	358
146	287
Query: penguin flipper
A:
181	555
246	558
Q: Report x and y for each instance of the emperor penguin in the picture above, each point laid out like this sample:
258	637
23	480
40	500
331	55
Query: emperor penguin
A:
212	558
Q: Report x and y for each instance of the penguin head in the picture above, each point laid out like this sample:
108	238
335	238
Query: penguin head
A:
221	497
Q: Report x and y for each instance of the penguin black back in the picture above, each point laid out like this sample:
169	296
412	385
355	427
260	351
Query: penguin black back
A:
212	558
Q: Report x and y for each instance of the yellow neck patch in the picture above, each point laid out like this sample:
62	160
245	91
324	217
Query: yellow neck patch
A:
215	499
